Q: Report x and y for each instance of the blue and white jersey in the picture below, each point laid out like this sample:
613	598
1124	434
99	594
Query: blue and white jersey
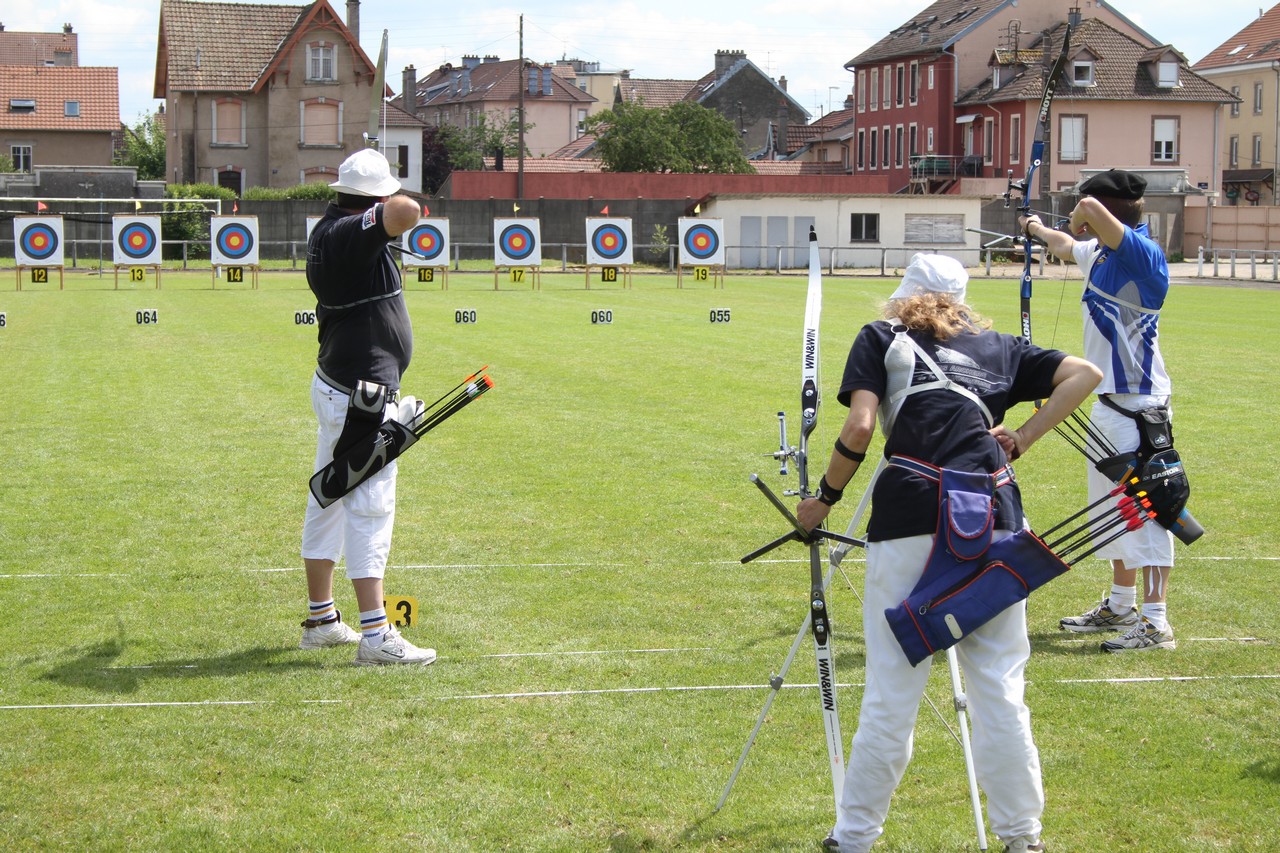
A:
1124	291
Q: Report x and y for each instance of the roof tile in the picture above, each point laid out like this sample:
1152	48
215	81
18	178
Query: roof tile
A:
97	90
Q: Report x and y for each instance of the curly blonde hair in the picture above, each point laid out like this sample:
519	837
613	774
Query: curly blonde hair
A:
936	314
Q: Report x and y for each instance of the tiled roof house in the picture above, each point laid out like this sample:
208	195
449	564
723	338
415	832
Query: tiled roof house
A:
1248	144
260	94
39	48
58	115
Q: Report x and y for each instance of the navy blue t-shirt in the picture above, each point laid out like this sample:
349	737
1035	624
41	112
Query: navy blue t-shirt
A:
942	427
364	328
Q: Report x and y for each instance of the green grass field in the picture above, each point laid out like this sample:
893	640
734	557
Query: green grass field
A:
573	542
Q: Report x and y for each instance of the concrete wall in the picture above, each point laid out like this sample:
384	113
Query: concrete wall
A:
603	185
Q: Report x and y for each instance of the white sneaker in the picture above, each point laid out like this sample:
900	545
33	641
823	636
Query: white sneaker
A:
318	635
392	648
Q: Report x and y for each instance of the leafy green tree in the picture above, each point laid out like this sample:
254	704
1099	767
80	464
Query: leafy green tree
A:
6	163
446	147
684	137
189	220
144	148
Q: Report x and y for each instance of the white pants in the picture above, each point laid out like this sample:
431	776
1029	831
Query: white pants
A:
358	524
993	659
1150	544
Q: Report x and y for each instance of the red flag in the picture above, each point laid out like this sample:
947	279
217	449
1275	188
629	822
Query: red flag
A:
41	206
605	210
426	211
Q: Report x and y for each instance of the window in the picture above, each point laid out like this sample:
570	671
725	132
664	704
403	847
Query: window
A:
913	140
864	227
21	157
1072	138
862	91
1164	139
900	85
995	78
988	140
320	61
874	91
897	146
230	179
930	77
884	148
402	158
71	109
1257	99
321	122
1233	152
928	140
228	121
1235	106
862	144
582	123
872	161
1015	139
1082	73
1167	73
888	87
22	105
934	228
1257	150
913	88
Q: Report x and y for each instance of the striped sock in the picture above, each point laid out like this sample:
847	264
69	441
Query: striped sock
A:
373	623
322	611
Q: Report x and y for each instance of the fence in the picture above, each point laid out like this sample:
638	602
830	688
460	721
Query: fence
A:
1236	260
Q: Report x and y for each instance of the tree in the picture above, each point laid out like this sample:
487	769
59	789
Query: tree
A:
684	137
446	147
144	148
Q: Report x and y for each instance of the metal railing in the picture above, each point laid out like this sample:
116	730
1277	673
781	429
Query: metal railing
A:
1237	260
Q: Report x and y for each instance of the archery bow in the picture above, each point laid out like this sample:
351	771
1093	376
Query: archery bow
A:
376	96
817	619
1024	186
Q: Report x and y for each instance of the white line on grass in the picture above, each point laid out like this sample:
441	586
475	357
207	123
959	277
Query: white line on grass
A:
599	652
37	575
552	694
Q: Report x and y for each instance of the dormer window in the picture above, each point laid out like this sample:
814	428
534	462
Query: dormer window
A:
995	78
1167	73
22	105
1082	72
320	61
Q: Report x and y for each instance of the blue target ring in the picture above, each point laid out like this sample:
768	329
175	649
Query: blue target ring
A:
517	242
39	241
609	242
235	241
701	242
426	241
137	240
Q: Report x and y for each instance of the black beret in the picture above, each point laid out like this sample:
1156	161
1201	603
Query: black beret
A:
1115	183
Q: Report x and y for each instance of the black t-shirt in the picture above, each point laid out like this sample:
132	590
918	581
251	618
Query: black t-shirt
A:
364	328
943	427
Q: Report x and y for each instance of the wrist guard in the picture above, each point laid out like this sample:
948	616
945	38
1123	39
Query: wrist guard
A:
828	494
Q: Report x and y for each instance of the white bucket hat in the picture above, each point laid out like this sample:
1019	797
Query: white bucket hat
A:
933	274
366	173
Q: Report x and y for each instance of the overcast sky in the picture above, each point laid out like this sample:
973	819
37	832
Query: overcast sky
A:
652	38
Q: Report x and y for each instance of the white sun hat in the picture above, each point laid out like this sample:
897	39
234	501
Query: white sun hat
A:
933	274
366	173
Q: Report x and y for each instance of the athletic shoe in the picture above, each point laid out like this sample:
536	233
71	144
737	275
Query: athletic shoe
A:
392	648
830	843
319	635
1024	844
1141	638
1100	618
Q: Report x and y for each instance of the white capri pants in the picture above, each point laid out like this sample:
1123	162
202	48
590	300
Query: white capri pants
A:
1150	544
993	658
358	524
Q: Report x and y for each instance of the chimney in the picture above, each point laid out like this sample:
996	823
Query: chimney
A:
409	90
353	19
490	58
848	101
546	80
1073	16
470	61
66	29
782	83
466	81
784	118
725	60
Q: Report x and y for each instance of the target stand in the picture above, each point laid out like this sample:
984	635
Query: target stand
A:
425	248
427	274
702	272
137	273
236	274
516	274
610	273
38	272
233	246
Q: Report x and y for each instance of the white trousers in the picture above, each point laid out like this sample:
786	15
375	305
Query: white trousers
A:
1150	544
993	659
358	524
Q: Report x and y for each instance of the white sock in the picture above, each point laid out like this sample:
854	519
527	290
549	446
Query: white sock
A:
322	611
1122	598
1157	613
373	623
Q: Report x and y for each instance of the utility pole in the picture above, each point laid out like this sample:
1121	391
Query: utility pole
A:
520	116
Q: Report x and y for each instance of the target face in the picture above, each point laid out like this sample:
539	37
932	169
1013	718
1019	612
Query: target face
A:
137	239
700	241
38	240
235	240
429	242
516	242
609	242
